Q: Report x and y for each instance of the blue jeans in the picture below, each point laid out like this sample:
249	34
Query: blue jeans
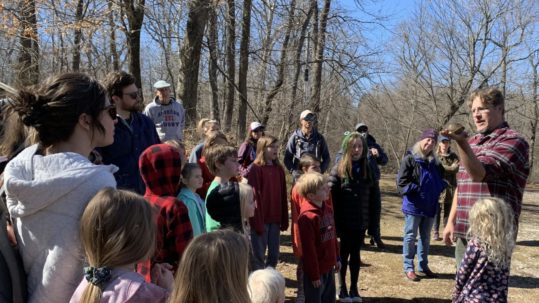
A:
411	225
268	240
323	294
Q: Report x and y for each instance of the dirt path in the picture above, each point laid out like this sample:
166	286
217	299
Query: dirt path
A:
382	280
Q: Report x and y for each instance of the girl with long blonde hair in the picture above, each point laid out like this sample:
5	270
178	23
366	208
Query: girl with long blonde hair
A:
267	178
214	268
117	230
483	274
350	181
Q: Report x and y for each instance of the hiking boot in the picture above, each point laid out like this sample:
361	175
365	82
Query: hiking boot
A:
343	296
436	236
354	296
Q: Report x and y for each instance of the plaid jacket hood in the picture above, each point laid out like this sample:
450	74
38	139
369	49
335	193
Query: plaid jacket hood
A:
160	168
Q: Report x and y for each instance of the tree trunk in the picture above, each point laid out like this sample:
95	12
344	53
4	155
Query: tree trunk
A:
319	59
244	66
212	66
535	120
77	35
112	45
190	56
266	46
281	71
231	64
297	64
135	16
28	65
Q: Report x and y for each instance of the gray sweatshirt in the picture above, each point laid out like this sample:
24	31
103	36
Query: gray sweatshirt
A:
46	196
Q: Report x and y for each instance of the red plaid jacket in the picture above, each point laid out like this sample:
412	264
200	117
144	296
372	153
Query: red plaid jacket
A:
504	155
160	168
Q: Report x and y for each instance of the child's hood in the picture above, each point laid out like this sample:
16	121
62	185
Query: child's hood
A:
34	181
160	168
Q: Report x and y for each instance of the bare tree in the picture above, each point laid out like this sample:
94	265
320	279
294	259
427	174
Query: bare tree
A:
244	66
190	56
28	69
134	10
230	63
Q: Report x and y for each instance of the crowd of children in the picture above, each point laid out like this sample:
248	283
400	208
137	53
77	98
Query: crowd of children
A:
202	227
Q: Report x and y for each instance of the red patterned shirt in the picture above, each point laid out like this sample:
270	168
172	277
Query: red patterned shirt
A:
504	155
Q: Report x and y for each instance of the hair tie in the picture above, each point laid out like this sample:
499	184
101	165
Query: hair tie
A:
97	275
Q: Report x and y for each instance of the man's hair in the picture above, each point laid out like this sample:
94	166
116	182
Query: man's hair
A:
310	183
218	154
491	96
266	285
116	81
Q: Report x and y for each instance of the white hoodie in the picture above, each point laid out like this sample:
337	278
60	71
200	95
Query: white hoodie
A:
46	196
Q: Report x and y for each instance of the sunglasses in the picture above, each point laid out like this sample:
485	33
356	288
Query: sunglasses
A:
111	110
133	95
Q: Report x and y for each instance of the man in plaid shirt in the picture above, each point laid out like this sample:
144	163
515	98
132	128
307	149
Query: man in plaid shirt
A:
494	163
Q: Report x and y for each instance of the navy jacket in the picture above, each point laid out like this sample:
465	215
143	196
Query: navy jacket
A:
298	145
420	183
130	140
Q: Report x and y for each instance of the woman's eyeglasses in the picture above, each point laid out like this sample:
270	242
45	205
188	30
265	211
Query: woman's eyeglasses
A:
111	110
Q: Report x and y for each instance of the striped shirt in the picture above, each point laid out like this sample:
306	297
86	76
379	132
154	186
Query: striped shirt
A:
504	155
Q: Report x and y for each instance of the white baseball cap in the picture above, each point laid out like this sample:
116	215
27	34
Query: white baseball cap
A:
161	84
256	125
304	114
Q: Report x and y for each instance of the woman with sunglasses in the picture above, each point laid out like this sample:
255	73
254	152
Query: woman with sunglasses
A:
49	183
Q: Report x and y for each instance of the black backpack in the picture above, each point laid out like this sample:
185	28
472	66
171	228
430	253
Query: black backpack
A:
12	274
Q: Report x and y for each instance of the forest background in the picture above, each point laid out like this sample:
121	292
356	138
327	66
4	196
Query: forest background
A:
267	60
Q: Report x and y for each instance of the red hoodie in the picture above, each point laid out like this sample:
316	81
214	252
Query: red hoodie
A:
160	168
296	201
318	239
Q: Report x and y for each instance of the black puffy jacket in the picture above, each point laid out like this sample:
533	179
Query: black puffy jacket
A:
350	202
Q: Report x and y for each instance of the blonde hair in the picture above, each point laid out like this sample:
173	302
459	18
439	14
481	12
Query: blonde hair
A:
310	183
212	139
116	229
261	144
344	168
266	285
246	198
213	268
417	151
492	224
218	154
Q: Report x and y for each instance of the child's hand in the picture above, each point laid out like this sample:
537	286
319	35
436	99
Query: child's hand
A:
316	283
162	275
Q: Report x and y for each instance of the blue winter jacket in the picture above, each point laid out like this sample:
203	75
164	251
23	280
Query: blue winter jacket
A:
130	140
420	183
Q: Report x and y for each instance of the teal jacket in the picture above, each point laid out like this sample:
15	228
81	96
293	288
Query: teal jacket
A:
197	210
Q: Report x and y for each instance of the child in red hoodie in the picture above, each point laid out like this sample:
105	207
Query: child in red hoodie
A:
160	168
318	239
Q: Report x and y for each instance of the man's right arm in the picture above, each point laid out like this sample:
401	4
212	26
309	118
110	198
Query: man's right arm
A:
471	163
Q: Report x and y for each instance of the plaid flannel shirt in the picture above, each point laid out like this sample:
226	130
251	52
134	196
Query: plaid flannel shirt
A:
504	155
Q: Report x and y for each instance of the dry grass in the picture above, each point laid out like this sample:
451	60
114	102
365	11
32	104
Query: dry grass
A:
382	280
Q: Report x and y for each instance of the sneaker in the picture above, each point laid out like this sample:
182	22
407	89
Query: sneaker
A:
354	296
436	237
343	296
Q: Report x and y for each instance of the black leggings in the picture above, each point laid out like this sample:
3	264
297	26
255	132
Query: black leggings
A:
350	255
